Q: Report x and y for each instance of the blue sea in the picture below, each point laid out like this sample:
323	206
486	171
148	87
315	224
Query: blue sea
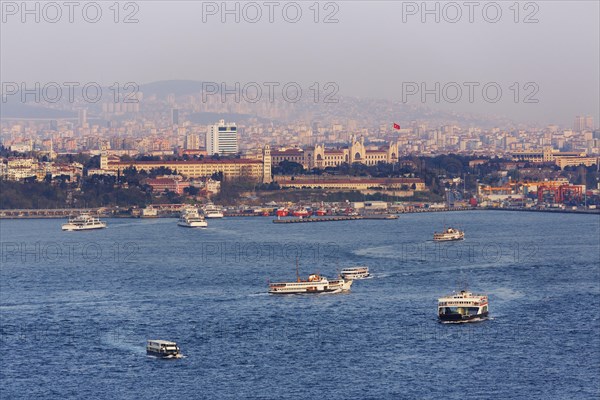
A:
76	309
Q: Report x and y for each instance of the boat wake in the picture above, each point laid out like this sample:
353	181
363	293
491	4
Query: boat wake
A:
378	276
177	357
258	294
505	293
112	340
465	322
378	252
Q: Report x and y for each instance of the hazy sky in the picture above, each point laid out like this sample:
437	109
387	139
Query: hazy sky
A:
371	51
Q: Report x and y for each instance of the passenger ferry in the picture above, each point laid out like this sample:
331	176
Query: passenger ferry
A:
314	284
463	307
190	218
212	211
84	221
355	273
163	349
448	234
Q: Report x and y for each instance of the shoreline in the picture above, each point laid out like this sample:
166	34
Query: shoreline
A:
65	213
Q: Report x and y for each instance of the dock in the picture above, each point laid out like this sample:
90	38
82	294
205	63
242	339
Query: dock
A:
317	219
379	217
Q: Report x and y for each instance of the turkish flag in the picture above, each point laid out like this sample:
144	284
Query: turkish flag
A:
396	126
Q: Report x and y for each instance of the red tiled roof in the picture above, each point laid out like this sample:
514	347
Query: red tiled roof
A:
190	162
350	181
161	181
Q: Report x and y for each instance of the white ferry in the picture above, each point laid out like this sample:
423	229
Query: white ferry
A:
190	218
212	211
448	234
355	273
84	221
463	307
163	349
314	284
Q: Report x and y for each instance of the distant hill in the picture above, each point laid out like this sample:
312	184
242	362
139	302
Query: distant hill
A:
27	111
206	118
177	87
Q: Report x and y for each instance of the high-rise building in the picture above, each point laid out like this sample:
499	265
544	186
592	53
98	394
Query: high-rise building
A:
579	123
589	122
192	141
82	116
174	116
222	138
583	123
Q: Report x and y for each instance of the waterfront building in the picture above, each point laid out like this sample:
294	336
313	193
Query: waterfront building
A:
256	169
321	157
550	155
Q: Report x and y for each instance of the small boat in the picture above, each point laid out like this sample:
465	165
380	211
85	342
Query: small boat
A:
190	218
301	212
84	221
163	349
463	307
355	273
282	212
448	234
321	212
213	211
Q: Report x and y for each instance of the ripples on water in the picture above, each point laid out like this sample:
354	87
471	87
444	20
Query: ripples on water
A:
74	323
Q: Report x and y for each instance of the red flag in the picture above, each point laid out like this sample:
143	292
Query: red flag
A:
396	126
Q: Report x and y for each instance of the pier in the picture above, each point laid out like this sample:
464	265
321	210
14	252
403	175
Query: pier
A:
48	213
317	219
294	220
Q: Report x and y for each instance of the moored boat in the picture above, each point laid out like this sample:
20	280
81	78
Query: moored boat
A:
213	211
163	349
448	234
82	222
301	212
282	212
463	306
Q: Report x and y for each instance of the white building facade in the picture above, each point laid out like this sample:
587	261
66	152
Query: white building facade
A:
222	139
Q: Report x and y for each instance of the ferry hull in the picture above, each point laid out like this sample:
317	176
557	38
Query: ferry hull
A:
163	355
332	287
69	227
193	225
307	291
355	276
214	216
463	318
449	239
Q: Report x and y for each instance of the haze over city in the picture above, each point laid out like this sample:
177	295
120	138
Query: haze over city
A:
369	49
